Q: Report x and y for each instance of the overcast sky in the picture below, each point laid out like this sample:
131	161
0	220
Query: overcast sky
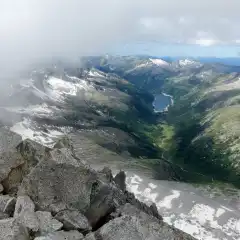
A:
45	28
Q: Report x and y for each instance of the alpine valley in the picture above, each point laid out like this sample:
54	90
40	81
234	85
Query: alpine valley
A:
173	127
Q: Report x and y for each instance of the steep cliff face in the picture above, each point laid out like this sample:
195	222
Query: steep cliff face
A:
54	194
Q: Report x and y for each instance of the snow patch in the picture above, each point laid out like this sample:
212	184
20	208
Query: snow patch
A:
167	201
29	130
60	87
159	62
93	73
200	217
34	110
188	62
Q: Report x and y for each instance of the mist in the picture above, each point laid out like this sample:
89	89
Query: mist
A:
34	31
31	30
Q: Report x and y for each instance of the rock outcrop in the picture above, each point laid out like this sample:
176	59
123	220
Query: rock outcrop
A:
11	229
7	204
60	197
25	213
61	235
73	220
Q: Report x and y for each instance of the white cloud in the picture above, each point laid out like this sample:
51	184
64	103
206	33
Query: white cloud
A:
32	29
206	42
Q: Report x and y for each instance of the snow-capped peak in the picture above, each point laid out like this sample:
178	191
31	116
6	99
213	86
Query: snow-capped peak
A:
95	73
188	62
159	62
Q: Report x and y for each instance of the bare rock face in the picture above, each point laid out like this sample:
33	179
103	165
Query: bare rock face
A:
57	183
7	204
120	180
64	142
17	158
10	158
64	155
61	235
136	225
152	210
47	223
8	140
11	229
24	213
10	170
105	199
3	215
32	153
106	174
73	220
58	186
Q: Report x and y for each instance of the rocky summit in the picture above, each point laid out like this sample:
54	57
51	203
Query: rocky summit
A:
52	194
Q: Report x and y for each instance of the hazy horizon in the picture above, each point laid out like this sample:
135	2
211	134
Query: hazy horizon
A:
33	30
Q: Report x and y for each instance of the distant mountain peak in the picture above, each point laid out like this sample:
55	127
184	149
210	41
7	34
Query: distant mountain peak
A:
159	62
187	62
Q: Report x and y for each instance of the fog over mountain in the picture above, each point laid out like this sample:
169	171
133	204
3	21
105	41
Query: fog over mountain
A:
35	29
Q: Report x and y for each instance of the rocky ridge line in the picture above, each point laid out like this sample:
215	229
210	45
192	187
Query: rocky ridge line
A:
50	194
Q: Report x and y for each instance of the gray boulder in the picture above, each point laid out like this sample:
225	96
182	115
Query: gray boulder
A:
32	153
57	186
9	156
24	213
137	228
63	182
90	236
105	199
47	224
106	174
1	188
73	220
8	140
17	158
3	215
7	204
61	235
11	229
64	155
120	180
10	169
64	142
152	210
39	221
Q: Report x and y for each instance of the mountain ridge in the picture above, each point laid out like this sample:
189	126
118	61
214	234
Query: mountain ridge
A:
198	89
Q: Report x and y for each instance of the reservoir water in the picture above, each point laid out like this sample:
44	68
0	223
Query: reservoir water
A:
161	102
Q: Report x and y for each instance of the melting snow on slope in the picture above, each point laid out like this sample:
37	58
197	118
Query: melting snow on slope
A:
40	110
142	65
159	62
29	129
93	73
203	218
188	62
59	88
